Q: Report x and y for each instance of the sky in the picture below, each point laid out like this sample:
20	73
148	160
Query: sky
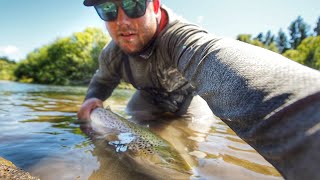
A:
30	24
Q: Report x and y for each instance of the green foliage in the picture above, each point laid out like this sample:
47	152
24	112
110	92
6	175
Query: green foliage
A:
307	53
7	67
317	28
282	42
273	47
299	30
259	37
267	43
302	47
6	59
269	39
244	38
70	60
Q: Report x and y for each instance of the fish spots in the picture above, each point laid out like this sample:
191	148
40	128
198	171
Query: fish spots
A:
136	140
140	145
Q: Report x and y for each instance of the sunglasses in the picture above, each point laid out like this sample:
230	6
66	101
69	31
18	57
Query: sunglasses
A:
108	11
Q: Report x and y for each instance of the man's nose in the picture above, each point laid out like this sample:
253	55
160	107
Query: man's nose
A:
122	17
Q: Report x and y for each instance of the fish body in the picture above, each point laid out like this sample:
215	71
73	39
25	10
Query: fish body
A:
151	153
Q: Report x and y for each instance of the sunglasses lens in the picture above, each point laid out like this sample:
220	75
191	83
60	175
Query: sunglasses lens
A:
107	11
134	8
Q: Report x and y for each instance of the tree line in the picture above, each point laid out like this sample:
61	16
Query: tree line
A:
302	44
73	60
7	67
67	61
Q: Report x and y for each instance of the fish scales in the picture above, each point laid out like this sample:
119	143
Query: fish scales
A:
144	147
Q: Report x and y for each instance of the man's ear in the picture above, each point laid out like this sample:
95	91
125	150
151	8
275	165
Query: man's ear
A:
156	5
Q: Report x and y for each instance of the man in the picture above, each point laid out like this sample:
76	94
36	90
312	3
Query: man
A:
271	102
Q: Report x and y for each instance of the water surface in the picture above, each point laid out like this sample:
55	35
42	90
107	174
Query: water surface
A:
38	133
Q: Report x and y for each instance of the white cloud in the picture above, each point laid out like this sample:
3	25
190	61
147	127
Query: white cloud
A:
9	50
200	20
12	52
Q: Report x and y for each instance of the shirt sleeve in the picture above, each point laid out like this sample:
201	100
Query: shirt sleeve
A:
271	102
107	77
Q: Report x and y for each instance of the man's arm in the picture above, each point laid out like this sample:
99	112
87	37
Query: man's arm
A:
270	101
102	84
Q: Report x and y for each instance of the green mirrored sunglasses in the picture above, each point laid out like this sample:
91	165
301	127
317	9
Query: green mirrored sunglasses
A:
108	11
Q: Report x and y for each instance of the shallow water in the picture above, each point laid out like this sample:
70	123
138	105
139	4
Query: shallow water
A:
39	134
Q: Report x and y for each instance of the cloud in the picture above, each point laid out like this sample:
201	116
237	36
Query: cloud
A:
12	52
9	50
200	20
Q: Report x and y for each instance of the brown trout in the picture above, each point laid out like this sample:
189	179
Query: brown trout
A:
150	153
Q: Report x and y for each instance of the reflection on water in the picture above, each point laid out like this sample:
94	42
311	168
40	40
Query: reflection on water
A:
39	134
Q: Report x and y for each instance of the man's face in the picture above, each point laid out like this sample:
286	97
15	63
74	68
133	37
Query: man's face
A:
133	34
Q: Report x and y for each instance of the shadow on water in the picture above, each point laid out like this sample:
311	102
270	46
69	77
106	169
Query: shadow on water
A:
39	134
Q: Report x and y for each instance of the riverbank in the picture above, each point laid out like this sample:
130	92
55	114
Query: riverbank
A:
9	171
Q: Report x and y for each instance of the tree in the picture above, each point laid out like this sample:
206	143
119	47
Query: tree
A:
294	54
269	42
269	38
69	60
307	53
5	58
259	37
317	28
282	42
272	47
29	69
299	30
244	38
7	67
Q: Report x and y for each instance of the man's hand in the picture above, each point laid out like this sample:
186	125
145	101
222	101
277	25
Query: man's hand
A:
87	107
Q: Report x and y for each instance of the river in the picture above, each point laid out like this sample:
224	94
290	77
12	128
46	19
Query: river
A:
39	133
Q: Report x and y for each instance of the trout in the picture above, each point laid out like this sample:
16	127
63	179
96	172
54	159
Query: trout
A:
150	153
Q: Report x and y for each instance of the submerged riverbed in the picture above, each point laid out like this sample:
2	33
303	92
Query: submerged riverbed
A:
38	133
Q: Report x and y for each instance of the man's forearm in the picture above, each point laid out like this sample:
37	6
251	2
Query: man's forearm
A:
99	90
264	98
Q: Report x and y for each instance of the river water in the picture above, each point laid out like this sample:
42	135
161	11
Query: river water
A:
39	133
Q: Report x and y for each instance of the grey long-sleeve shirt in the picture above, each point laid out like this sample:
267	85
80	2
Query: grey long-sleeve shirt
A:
271	102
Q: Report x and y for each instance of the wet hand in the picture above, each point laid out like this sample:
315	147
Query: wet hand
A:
86	108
